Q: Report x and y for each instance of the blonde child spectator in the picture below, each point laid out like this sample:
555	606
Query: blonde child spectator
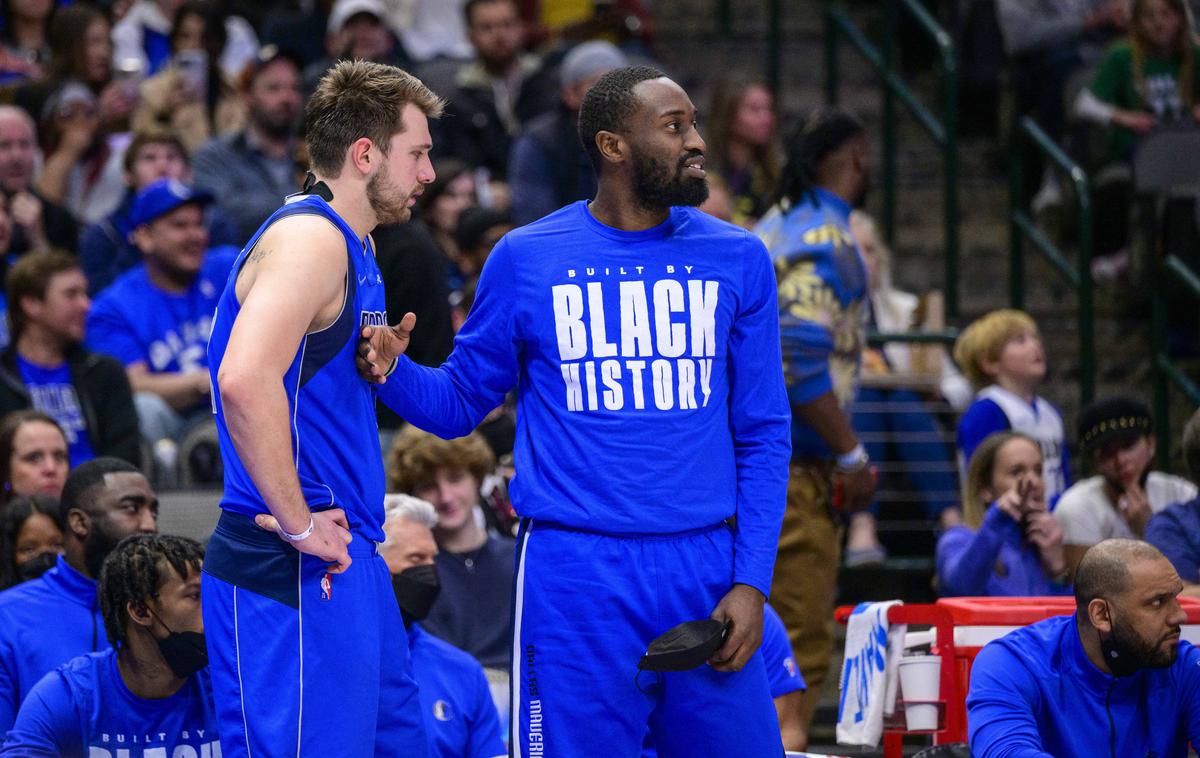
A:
1010	545
1002	356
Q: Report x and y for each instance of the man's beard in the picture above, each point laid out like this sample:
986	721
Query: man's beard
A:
1138	652
655	186
388	202
274	124
98	546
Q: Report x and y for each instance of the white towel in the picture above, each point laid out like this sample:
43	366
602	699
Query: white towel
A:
864	686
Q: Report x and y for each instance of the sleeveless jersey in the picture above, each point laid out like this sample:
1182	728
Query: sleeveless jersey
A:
1041	421
335	438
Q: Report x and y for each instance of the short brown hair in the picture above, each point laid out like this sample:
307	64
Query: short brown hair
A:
416	458
30	277
984	340
357	99
152	136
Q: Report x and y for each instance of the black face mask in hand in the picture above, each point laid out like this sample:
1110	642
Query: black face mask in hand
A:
36	566
416	589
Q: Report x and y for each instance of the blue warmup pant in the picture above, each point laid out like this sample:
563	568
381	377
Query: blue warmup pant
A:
305	663
586	606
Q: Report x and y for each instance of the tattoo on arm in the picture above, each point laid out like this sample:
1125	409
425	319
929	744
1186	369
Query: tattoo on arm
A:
258	253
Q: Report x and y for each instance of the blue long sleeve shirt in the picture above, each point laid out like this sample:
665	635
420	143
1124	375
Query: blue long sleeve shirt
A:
993	561
822	312
85	708
647	368
1175	531
460	717
44	623
1035	694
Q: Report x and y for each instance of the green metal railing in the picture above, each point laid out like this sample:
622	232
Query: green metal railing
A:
942	127
1023	229
1166	373
724	18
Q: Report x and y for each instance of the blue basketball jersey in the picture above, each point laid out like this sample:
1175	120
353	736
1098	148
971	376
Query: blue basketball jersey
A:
335	438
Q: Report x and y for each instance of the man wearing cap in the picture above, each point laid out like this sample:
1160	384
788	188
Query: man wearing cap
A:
1117	435
496	95
357	30
548	167
105	248
822	290
1112	679
250	171
156	317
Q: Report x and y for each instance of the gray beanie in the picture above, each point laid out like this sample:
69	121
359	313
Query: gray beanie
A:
588	59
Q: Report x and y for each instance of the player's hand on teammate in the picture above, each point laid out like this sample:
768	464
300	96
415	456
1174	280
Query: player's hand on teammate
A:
380	346
742	609
330	535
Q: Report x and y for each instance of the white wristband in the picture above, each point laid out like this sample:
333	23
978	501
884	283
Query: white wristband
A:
853	460
300	536
392	369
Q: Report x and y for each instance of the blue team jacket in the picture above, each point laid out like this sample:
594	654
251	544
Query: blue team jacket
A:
456	703
43	624
1035	694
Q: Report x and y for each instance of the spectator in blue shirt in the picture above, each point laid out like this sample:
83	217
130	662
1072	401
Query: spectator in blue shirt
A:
48	368
1113	679
1176	530
156	318
460	715
48	621
1009	543
105	248
151	688
1003	357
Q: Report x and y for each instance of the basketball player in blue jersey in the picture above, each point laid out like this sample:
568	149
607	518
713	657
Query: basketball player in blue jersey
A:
306	643
652	440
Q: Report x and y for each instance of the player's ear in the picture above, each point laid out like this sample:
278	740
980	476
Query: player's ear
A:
363	155
139	613
611	146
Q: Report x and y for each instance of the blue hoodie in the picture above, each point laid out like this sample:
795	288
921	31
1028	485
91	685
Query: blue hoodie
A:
1035	694
43	624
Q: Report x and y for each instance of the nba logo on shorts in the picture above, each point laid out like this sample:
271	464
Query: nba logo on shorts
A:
326	588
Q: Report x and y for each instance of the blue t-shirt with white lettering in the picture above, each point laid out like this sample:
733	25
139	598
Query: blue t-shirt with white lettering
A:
136	322
54	394
647	365
84	708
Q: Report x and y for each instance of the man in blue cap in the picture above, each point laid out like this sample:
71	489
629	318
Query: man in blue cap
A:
156	317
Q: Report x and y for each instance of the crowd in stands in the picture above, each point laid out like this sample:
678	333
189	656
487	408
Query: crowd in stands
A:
142	144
